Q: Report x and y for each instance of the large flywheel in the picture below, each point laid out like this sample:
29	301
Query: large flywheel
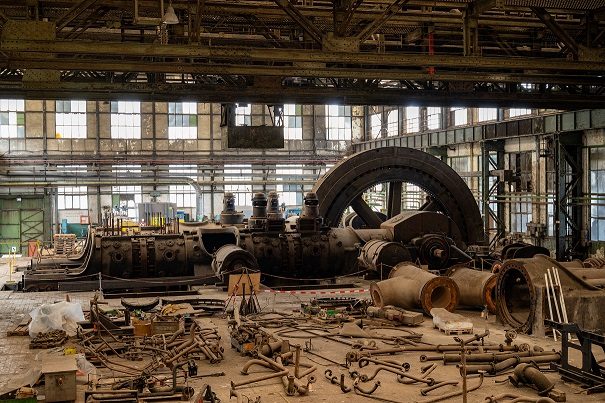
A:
345	183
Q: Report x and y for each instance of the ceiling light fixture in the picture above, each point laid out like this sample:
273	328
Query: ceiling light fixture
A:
170	17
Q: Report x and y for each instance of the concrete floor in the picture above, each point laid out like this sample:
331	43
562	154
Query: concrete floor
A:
17	357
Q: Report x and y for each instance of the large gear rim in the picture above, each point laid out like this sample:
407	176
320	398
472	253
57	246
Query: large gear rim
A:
357	173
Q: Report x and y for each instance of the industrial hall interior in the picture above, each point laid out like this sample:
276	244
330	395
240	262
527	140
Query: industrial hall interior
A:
302	201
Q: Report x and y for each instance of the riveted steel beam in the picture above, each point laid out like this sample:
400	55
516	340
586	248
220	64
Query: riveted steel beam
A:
307	26
227	53
294	71
295	94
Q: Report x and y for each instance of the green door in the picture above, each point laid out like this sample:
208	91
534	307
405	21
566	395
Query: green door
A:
22	221
10	231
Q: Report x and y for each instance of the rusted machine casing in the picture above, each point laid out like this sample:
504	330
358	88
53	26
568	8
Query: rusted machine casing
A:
380	255
410	287
520	290
477	288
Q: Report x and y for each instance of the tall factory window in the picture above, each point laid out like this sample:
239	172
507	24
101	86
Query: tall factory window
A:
70	119
12	118
125	120
433	120
72	197
375	125
515	112
338	122
462	165
325	169
243	115
393	123
183	195
182	120
292	122
597	194
412	119
520	214
412	196
460	116
487	114
242	190
287	186
124	198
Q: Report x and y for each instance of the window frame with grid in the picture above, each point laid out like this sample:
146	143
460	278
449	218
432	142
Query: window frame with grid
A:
433	118
125	119
12	118
339	121
293	122
123	171
240	190
518	112
597	193
183	195
72	198
520	213
412	119
285	183
412	197
487	114
182	120
393	122
243	115
376	125
70	119
460	115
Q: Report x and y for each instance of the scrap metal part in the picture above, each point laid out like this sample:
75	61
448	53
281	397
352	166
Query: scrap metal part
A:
477	288
411	287
521	284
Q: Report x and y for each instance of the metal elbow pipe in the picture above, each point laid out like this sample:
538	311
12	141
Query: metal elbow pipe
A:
529	374
411	287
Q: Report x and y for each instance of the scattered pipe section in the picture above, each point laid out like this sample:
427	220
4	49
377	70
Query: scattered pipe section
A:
492	368
477	288
530	375
517	399
411	287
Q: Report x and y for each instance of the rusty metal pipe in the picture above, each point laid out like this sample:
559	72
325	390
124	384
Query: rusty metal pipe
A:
300	388
366	378
364	361
259	379
249	363
411	287
425	391
425	373
477	288
441	349
483	357
367	391
455	393
429	381
308	371
530	375
297	361
506	364
517	399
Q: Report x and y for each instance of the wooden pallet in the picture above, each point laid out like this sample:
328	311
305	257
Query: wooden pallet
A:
21	329
64	244
456	331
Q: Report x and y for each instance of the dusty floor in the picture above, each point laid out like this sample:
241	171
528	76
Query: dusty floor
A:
17	357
